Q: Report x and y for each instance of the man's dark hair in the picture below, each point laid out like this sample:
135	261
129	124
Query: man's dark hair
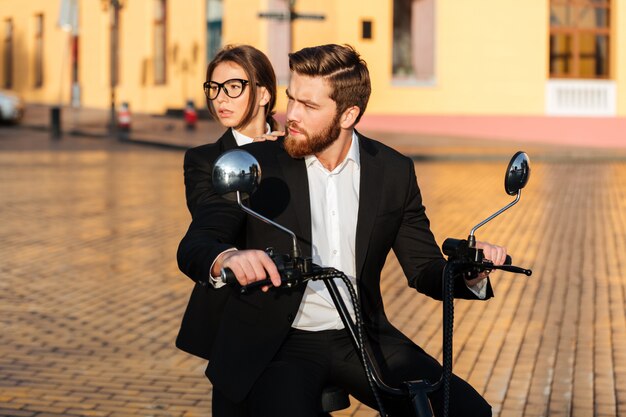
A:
342	67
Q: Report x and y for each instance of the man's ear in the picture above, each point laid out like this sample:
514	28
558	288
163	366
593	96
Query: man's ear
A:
349	116
264	96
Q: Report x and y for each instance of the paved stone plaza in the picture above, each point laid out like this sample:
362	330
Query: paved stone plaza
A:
91	297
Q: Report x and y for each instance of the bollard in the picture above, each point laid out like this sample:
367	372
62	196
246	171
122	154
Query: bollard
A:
123	121
55	122
190	115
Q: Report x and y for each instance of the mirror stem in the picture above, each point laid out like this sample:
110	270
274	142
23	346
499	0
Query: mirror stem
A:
471	239
295	251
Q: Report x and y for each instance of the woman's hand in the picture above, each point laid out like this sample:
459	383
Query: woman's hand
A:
269	136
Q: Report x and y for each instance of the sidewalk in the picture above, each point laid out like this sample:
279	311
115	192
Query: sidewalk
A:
170	132
152	129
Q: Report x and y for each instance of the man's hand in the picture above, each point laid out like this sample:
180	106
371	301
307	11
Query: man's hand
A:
248	266
496	254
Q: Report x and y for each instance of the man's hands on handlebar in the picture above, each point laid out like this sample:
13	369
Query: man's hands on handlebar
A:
252	265
248	266
493	253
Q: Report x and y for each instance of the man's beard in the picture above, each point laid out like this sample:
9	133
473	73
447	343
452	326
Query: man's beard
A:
313	142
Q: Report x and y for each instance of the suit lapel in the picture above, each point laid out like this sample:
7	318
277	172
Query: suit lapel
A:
372	174
227	141
295	175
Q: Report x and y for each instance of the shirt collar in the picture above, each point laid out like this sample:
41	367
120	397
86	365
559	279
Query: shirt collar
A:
242	139
353	155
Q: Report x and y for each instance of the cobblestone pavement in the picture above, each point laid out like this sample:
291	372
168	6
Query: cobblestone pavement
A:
91	298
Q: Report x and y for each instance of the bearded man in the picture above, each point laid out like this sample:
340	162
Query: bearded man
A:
349	200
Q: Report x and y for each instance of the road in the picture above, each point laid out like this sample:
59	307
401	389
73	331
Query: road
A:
91	297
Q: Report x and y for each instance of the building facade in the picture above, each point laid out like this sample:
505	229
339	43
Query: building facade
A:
495	58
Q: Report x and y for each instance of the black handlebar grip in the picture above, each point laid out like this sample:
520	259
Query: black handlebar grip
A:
228	277
516	269
508	260
256	284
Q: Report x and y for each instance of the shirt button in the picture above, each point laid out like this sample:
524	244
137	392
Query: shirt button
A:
335	252
333	212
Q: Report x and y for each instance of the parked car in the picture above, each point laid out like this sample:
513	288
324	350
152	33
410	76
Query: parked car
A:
11	107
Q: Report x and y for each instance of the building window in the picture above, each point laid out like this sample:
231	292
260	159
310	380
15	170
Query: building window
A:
38	64
8	54
214	13
580	35
413	40
366	29
160	28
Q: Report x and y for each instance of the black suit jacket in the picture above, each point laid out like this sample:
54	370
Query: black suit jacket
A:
205	302
252	326
198	168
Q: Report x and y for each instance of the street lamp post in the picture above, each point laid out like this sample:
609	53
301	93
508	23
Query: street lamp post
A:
113	6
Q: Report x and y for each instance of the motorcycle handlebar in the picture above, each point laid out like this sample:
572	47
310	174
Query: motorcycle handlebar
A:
228	277
291	274
508	267
515	269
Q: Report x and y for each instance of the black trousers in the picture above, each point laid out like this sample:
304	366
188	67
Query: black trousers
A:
291	385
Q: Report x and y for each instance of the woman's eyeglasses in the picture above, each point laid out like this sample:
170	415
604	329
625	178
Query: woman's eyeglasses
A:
233	88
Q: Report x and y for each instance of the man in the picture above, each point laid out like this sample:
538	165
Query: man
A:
349	200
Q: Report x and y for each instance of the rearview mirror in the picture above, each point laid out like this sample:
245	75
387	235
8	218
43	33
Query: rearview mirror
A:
517	173
516	177
236	175
236	170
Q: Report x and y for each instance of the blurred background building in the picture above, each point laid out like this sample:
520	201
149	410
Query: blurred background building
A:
469	64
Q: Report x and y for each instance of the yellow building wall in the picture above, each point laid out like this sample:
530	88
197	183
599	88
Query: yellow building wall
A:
185	56
56	81
618	50
491	56
311	32
241	24
93	52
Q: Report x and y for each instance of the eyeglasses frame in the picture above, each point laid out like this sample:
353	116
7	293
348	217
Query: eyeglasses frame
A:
222	87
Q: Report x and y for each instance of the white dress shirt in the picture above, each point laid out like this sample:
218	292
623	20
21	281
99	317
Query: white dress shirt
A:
334	203
242	139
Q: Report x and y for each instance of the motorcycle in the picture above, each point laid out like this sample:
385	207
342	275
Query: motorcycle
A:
237	174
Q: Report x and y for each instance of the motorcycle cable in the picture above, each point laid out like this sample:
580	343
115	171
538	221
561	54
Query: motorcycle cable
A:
358	325
448	331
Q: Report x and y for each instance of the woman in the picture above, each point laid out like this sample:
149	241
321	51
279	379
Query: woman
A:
240	89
